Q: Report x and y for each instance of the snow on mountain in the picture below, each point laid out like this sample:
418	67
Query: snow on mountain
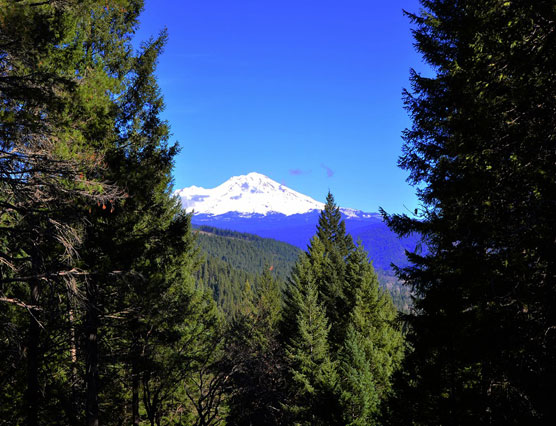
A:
249	194
258	205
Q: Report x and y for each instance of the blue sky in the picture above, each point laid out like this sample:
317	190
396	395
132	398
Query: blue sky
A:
306	92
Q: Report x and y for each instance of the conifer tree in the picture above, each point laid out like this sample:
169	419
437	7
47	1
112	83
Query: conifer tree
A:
481	151
366	347
52	101
312	371
255	358
331	229
336	292
373	347
157	329
268	302
315	258
139	238
358	395
104	286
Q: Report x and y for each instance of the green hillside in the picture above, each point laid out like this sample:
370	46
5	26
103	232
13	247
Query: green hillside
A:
225	282
247	252
233	258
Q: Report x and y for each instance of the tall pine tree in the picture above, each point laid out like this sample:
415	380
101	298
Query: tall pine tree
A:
481	151
313	377
364	342
372	349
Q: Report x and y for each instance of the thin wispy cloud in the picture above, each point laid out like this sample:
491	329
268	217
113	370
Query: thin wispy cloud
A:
329	171
298	172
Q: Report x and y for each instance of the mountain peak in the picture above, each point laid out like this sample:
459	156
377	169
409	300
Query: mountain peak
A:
253	193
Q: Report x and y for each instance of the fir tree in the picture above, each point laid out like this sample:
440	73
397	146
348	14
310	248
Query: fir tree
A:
358	396
365	343
481	150
157	329
255	357
331	229
313	373
373	347
330	269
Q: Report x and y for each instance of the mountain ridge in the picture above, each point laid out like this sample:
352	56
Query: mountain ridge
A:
292	224
252	194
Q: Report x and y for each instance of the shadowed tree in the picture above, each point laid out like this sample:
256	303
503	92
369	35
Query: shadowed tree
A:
481	151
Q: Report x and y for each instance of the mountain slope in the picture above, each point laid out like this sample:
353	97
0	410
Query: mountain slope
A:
253	193
383	245
256	204
247	252
230	259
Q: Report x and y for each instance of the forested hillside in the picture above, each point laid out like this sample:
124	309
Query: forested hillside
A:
248	252
383	245
232	258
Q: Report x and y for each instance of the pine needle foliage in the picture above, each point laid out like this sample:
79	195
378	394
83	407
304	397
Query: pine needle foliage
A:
481	152
344	343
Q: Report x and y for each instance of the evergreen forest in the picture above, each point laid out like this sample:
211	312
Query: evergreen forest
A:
115	310
231	258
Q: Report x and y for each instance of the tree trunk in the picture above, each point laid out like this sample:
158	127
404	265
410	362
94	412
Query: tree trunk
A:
72	406
92	321
33	393
135	393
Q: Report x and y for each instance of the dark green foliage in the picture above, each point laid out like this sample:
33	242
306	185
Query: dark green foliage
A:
101	320
358	396
268	301
55	92
340	329
372	347
328	252
154	326
255	357
312	373
225	283
331	229
232	258
482	151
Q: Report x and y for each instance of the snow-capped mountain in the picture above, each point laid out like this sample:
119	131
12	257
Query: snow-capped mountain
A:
256	204
251	194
